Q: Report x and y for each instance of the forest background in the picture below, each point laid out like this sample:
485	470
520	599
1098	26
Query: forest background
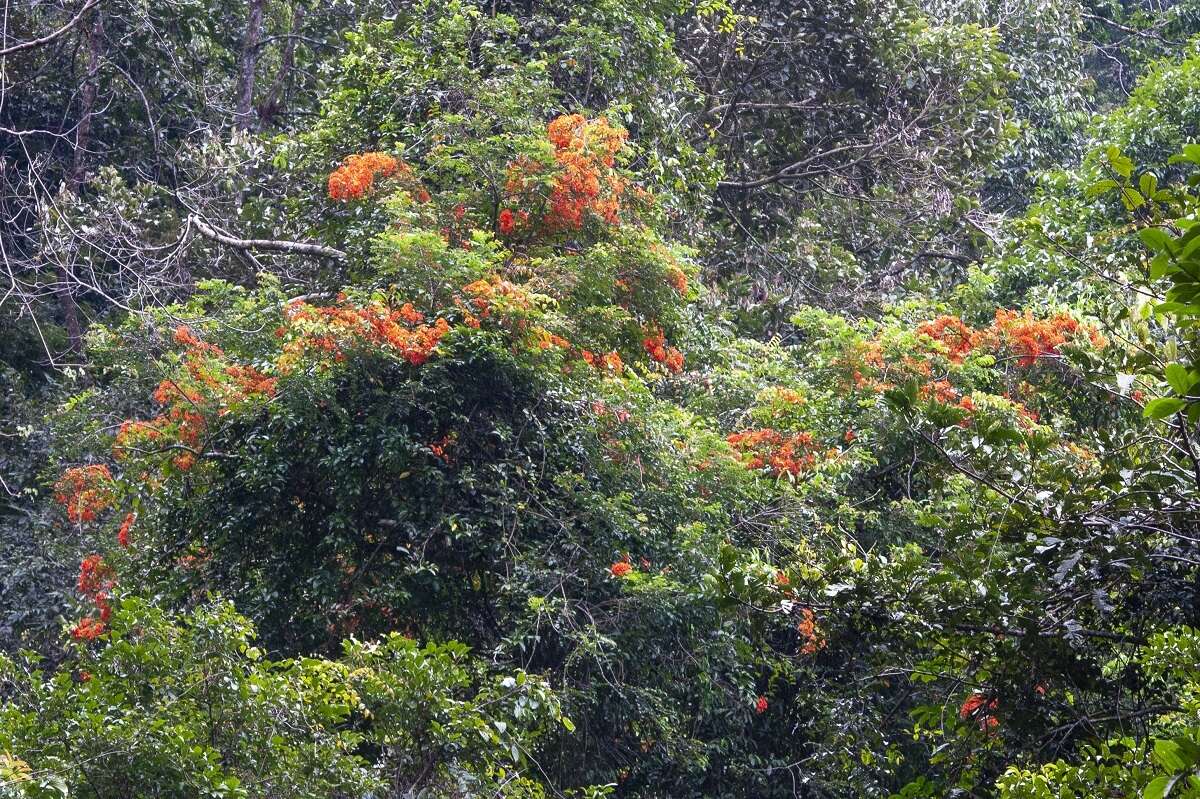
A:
687	398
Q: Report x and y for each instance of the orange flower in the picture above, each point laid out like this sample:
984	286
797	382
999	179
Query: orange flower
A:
959	337
123	533
980	708
656	347
678	279
507	222
439	447
769	449
612	362
88	629
621	568
585	156
356	176
810	632
1032	338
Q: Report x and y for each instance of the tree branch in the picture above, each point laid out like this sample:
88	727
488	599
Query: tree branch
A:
16	48
275	245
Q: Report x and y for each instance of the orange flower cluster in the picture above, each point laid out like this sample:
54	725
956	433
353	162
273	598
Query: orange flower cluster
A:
585	151
810	633
1019	334
940	391
85	491
209	383
355	178
485	293
624	566
779	453
610	361
980	708
126	526
1030	338
332	330
678	279
439	448
656	347
96	580
1025	335
958	337
544	340
585	182
88	629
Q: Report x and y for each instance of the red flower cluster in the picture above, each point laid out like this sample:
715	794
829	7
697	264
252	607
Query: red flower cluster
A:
508	222
85	491
123	533
781	454
760	705
981	709
439	448
356	176
656	347
88	629
621	568
96	580
95	577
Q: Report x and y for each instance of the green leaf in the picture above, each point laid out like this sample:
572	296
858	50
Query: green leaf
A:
1191	152
1101	187
1161	266
1179	378
1132	198
1157	788
1163	407
1148	183
1119	163
1169	754
1155	238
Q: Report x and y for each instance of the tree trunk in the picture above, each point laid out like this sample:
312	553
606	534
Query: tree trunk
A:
271	106
79	164
249	65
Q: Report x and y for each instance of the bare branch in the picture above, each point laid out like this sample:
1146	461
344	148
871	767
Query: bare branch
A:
275	245
16	48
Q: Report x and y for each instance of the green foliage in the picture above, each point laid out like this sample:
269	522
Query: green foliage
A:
171	705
